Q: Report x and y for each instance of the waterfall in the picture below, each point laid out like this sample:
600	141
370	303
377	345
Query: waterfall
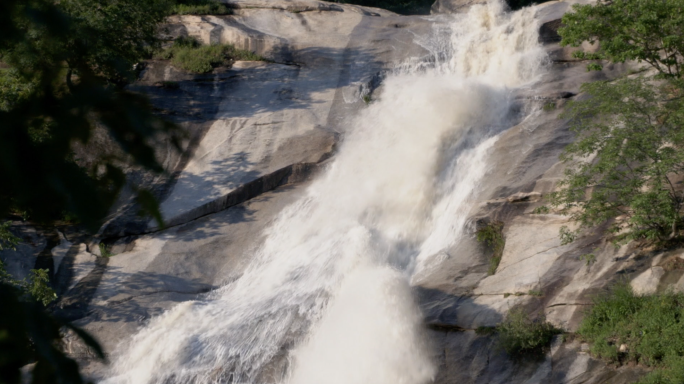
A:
326	298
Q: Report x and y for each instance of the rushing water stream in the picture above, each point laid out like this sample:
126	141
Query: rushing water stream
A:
327	299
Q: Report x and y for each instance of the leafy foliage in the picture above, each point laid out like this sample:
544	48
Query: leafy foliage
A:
550	106
588	258
68	61
63	68
109	36
671	373
651	31
492	236
12	89
652	328
625	160
36	287
30	335
485	331
187	53
7	239
521	335
104	251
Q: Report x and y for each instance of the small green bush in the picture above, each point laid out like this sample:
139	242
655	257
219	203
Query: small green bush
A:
38	286
673	373
200	7
651	327
188	54
34	288
485	331
200	60
492	236
550	106
7	239
541	210
241	54
13	89
622	168
104	252
521	335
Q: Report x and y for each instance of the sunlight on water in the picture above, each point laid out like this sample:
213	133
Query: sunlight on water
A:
327	298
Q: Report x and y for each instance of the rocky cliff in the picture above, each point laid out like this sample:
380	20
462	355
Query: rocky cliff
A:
259	131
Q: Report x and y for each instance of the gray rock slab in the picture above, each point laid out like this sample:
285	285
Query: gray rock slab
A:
525	163
647	282
526	259
59	252
114	324
84	263
256	120
262	126
468	358
122	292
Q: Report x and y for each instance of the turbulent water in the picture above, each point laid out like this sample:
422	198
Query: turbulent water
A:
327	298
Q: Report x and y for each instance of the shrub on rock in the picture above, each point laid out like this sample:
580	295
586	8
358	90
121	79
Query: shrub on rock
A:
520	334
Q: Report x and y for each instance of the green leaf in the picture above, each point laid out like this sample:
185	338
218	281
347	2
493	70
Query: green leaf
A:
150	206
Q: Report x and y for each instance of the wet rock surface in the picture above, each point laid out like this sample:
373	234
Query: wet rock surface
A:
259	131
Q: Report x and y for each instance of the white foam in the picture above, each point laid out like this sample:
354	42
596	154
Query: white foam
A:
326	298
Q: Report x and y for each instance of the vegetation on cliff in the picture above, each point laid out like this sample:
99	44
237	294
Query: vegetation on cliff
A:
624	327
492	236
650	31
521	335
34	288
188	54
63	69
624	169
626	160
625	164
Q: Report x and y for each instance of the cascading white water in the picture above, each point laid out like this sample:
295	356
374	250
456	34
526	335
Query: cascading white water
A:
326	298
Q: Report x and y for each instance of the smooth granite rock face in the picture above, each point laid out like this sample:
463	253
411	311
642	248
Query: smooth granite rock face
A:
258	132
258	125
537	272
